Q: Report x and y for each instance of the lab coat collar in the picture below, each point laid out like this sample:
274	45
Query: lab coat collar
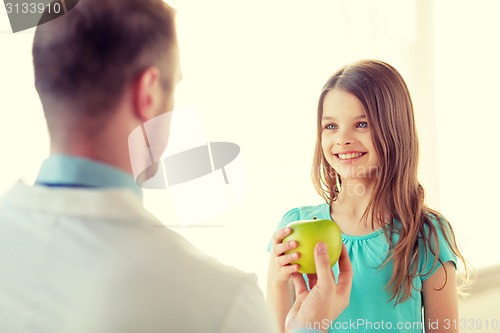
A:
74	171
106	203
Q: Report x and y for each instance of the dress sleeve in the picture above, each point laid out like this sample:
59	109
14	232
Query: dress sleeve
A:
445	252
290	216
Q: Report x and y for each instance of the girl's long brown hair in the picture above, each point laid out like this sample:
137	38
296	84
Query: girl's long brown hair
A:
388	106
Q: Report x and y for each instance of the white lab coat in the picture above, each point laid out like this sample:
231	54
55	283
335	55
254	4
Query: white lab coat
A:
91	261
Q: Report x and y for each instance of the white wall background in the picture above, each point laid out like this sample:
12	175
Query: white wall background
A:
467	73
253	71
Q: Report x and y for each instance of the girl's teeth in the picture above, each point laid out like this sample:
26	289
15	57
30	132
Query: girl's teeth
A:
348	156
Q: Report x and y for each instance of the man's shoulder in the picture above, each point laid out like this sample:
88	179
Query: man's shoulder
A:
183	257
162	270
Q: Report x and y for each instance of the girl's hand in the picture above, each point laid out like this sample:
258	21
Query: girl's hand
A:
280	269
280	293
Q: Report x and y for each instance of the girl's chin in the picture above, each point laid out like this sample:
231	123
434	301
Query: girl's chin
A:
357	179
358	174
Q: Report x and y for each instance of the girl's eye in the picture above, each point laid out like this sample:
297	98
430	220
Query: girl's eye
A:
331	126
363	124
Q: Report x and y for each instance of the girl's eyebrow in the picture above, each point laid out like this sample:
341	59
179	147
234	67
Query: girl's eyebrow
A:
333	118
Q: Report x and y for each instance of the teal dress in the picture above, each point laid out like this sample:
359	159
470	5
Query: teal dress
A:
369	309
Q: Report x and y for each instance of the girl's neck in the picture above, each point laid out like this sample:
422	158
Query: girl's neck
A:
350	206
354	197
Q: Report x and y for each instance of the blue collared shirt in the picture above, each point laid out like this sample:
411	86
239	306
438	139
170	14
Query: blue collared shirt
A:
72	171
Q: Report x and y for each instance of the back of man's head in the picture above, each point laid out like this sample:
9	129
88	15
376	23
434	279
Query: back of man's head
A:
84	59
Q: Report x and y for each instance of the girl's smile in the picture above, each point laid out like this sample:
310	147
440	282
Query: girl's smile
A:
349	156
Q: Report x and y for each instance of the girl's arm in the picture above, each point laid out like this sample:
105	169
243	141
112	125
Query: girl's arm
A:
280	297
441	305
280	290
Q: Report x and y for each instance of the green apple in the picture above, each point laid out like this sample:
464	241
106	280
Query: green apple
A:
308	233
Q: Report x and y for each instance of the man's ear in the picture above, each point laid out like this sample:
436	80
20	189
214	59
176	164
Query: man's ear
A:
146	93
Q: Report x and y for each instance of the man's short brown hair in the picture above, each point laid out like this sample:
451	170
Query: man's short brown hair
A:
86	57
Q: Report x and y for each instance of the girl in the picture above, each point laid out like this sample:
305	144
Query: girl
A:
403	253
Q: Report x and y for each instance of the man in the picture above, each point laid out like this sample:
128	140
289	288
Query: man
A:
78	251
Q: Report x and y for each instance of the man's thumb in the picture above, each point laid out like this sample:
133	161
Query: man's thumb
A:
322	261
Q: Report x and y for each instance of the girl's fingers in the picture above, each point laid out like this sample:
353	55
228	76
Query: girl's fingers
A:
280	248
290	269
287	258
280	234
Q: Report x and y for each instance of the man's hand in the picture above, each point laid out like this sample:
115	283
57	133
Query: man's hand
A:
326	300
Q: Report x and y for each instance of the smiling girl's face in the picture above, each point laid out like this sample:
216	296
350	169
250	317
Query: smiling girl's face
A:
345	138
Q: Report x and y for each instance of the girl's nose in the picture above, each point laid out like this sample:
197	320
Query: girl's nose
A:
344	142
344	136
